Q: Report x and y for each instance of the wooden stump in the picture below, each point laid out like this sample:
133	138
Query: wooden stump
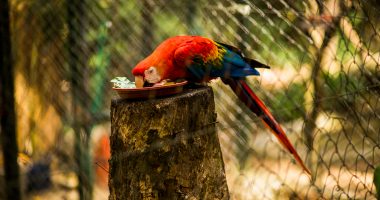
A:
166	148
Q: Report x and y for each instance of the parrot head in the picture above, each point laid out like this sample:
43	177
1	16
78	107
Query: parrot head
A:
161	64
146	73
157	69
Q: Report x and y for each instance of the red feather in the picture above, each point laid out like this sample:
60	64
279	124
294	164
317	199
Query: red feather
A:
172	57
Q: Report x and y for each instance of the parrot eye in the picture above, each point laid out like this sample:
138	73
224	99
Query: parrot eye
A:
152	75
150	70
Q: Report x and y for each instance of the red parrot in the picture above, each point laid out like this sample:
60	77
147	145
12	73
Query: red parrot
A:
200	59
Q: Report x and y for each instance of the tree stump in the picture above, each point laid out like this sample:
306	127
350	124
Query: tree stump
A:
166	148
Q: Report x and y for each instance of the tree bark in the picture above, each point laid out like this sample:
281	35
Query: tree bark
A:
166	148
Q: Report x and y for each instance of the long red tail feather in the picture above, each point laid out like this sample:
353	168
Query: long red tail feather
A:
249	98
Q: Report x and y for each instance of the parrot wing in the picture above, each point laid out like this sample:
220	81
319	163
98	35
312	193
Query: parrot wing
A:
199	58
253	63
207	59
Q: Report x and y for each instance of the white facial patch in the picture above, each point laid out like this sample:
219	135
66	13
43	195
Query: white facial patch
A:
151	75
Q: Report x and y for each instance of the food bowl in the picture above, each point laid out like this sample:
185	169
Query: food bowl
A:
150	92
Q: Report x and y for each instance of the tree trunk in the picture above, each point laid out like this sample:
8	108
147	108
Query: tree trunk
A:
166	148
81	119
8	135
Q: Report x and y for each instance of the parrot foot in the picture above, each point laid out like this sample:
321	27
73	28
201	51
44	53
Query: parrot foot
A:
163	82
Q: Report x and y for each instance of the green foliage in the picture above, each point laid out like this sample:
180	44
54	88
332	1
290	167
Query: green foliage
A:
99	62
345	50
376	181
168	25
289	105
341	90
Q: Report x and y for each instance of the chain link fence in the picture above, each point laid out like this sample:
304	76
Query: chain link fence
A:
323	87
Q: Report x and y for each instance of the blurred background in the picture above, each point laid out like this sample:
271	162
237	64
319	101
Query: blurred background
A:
323	87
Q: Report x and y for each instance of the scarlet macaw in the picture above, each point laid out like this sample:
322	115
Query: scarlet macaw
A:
200	59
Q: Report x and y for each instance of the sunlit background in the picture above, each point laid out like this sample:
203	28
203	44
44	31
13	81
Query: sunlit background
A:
323	87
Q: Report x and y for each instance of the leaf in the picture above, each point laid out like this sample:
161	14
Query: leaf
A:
123	82
376	181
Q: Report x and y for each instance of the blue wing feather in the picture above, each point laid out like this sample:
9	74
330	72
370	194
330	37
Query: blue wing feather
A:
234	66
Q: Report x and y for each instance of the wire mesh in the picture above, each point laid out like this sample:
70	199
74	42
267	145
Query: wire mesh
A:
323	87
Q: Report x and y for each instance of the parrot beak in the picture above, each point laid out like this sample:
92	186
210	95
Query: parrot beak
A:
139	81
